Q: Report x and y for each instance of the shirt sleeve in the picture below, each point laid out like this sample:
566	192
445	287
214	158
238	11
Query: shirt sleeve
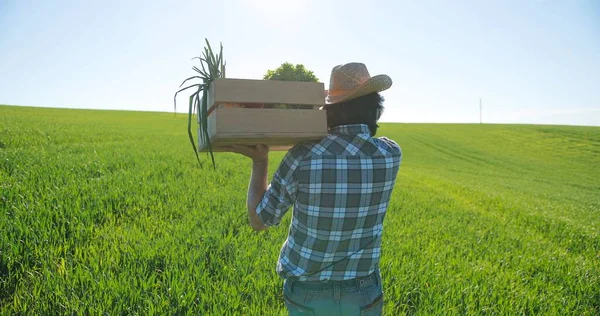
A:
281	193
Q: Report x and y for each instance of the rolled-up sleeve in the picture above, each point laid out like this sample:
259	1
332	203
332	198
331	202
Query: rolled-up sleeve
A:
281	193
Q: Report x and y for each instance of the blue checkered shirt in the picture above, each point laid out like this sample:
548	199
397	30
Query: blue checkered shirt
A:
340	190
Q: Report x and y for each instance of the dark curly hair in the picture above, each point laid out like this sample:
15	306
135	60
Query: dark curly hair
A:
362	110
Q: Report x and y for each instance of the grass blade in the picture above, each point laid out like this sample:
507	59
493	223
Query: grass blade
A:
205	125
219	60
203	73
190	78
210	51
175	96
202	64
190	129
201	116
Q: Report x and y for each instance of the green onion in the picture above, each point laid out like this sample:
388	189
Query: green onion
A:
216	69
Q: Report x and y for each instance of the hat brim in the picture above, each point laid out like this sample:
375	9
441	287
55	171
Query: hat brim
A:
374	84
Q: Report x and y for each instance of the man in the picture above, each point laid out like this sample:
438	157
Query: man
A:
340	188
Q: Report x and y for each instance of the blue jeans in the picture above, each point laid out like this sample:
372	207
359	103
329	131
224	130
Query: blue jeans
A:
360	296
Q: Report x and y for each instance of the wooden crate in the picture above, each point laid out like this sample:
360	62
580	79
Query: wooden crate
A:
229	122
226	90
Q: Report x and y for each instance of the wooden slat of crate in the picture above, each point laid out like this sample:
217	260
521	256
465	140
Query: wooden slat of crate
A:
278	128
229	90
281	144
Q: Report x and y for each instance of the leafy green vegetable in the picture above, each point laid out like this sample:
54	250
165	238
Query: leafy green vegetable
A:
216	69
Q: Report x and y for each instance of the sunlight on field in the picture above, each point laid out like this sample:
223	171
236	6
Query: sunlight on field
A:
108	212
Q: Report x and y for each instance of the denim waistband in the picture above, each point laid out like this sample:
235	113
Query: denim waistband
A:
326	286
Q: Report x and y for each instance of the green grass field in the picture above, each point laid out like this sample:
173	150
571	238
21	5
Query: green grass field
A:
107	212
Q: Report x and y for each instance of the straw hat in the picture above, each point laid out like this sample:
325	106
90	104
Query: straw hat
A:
352	80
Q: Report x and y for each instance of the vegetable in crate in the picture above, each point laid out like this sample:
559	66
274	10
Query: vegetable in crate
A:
290	72
213	67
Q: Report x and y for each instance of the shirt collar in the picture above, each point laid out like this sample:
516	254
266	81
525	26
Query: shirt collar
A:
352	129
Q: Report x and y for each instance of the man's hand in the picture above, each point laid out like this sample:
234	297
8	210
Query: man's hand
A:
256	153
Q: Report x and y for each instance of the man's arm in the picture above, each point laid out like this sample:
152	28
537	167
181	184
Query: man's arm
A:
256	190
258	180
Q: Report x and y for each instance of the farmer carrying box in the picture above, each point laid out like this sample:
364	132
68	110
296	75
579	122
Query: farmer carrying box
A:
340	188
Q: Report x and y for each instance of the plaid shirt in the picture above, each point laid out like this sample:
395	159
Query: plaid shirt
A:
340	188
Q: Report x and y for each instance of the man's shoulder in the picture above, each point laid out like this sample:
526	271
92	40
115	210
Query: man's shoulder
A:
306	149
301	150
294	158
389	145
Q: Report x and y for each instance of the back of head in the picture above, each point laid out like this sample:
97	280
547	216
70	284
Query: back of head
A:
365	109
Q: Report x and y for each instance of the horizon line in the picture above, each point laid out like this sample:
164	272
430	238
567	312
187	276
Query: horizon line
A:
382	122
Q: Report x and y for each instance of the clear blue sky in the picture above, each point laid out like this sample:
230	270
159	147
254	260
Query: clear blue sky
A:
532	61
